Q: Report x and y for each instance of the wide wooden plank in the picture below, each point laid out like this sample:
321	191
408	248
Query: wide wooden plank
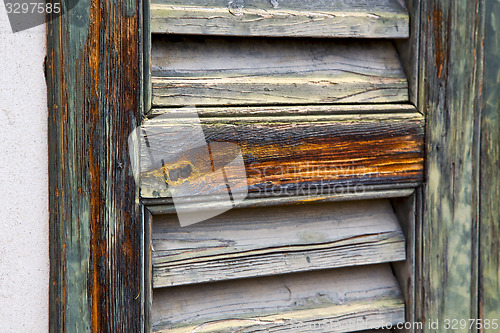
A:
265	241
288	155
294	18
215	71
340	300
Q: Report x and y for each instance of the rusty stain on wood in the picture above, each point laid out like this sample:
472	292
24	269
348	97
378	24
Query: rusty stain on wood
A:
354	298
94	99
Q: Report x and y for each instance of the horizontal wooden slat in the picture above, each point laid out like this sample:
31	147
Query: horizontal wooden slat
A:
265	241
295	155
291	110
161	206
215	71
295	18
340	300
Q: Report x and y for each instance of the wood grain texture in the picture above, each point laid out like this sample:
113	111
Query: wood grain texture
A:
292	110
161	206
451	55
293	18
489	241
295	155
339	300
405	210
408	50
93	72
215	71
266	241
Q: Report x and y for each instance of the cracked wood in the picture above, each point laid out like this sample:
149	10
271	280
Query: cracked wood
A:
294	18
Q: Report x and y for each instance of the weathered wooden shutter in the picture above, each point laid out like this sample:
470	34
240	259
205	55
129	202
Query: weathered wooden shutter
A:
315	95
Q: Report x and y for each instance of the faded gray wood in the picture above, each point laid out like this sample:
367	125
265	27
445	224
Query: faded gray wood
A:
451	55
284	155
214	71
489	235
265	241
294	18
148	269
339	300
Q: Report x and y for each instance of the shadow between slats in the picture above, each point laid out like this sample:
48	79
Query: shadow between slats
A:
339	300
201	70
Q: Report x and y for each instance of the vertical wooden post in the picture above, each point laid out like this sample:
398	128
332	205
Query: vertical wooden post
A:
450	95
489	241
94	70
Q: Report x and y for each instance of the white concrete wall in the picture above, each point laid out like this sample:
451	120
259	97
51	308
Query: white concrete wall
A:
24	257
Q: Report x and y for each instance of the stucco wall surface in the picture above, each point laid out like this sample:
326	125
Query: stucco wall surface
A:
24	261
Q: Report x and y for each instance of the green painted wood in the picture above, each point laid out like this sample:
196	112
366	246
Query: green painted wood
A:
96	231
448	93
336	300
293	18
489	249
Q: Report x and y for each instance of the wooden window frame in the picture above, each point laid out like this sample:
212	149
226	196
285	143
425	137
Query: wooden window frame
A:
98	226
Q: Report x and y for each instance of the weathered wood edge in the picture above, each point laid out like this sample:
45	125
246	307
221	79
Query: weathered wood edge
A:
489	227
95	225
449	90
147	56
148	269
259	111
